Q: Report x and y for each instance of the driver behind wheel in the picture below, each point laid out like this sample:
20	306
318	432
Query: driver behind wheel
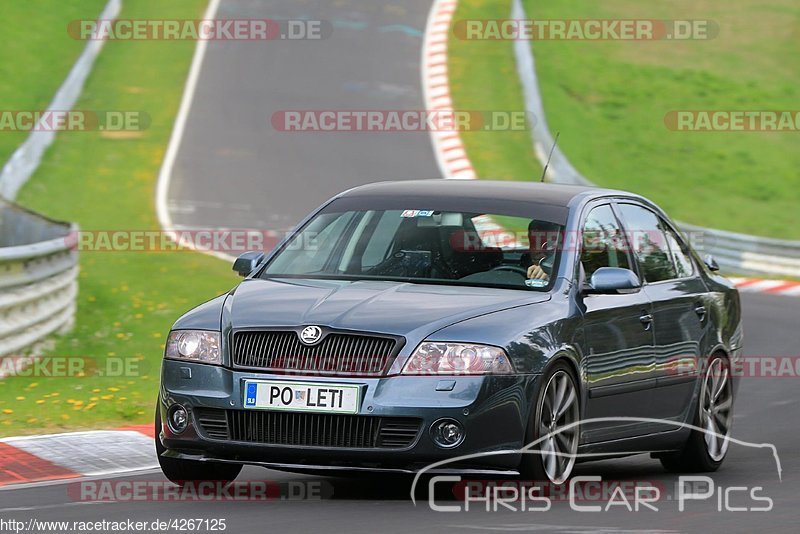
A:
543	239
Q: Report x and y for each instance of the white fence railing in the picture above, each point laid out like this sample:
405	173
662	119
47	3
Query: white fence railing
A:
38	278
735	253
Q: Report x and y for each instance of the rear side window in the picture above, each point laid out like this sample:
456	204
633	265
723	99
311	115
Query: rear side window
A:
603	242
650	243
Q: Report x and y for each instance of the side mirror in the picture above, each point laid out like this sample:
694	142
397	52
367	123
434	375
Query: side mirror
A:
711	263
609	280
247	262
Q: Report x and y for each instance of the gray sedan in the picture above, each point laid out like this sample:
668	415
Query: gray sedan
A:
408	323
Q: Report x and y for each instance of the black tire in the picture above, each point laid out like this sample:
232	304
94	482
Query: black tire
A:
532	465
695	457
183	472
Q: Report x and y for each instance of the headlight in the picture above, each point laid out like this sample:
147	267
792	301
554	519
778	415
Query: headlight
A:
194	345
433	358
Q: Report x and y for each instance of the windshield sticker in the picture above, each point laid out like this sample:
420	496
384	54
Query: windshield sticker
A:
417	213
536	282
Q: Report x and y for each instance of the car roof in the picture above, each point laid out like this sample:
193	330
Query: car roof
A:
541	193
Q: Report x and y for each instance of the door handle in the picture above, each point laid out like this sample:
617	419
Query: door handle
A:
700	310
646	320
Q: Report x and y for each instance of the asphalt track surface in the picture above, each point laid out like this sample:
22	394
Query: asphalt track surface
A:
234	171
767	410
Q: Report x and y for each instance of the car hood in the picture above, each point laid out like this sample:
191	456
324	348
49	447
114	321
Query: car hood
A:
372	306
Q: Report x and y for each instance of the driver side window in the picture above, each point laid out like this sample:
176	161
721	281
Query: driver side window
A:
603	243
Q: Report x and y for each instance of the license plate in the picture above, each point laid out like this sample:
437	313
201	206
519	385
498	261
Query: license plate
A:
301	396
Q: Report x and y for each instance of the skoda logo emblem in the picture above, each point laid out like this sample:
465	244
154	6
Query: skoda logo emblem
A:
310	335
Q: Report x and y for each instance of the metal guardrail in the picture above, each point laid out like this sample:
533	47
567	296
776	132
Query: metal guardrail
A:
735	253
747	254
38	278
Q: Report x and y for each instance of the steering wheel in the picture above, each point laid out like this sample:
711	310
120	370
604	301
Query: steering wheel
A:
512	268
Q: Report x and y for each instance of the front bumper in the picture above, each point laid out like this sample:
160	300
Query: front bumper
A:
493	410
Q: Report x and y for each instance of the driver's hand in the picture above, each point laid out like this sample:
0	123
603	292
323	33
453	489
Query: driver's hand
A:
537	273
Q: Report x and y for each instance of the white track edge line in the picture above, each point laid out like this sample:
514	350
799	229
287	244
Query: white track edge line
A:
165	173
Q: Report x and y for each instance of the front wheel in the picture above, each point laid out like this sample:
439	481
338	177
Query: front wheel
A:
183	472
554	425
706	449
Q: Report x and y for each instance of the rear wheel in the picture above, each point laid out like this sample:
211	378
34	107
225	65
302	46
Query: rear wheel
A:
552	421
183	472
705	449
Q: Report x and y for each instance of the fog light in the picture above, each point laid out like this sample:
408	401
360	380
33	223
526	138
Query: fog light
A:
447	433
178	419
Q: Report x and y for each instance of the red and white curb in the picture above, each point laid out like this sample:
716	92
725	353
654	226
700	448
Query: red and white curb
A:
31	459
447	145
451	156
771	287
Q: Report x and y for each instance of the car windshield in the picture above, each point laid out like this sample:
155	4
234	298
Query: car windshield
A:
422	246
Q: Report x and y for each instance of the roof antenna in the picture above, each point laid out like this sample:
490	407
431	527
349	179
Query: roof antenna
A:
547	164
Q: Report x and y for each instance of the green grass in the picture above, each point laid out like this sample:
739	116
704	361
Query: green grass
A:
609	99
127	300
483	77
36	55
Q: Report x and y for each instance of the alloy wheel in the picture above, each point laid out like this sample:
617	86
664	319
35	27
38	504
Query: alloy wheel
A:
716	414
559	409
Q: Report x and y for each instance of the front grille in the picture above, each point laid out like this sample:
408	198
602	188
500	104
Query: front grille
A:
351	354
309	429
